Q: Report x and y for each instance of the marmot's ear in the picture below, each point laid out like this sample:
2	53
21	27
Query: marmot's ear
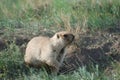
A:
58	36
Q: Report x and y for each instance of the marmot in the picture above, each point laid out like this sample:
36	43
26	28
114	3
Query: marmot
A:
44	50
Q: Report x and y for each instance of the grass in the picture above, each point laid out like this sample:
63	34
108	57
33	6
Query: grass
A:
12	67
54	14
88	13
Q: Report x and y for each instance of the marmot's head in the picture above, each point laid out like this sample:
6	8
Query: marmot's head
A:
64	37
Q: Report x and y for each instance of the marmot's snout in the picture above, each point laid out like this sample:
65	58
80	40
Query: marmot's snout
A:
72	37
69	38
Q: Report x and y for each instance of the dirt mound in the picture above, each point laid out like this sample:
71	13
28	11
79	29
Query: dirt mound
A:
98	48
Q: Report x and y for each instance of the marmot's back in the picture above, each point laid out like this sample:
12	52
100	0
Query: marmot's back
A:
34	47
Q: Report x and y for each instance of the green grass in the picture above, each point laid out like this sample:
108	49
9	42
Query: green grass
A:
65	14
88	13
12	67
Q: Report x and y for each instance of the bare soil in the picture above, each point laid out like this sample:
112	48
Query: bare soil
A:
97	48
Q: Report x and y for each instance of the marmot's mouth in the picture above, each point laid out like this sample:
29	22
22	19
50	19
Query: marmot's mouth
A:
73	38
70	40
